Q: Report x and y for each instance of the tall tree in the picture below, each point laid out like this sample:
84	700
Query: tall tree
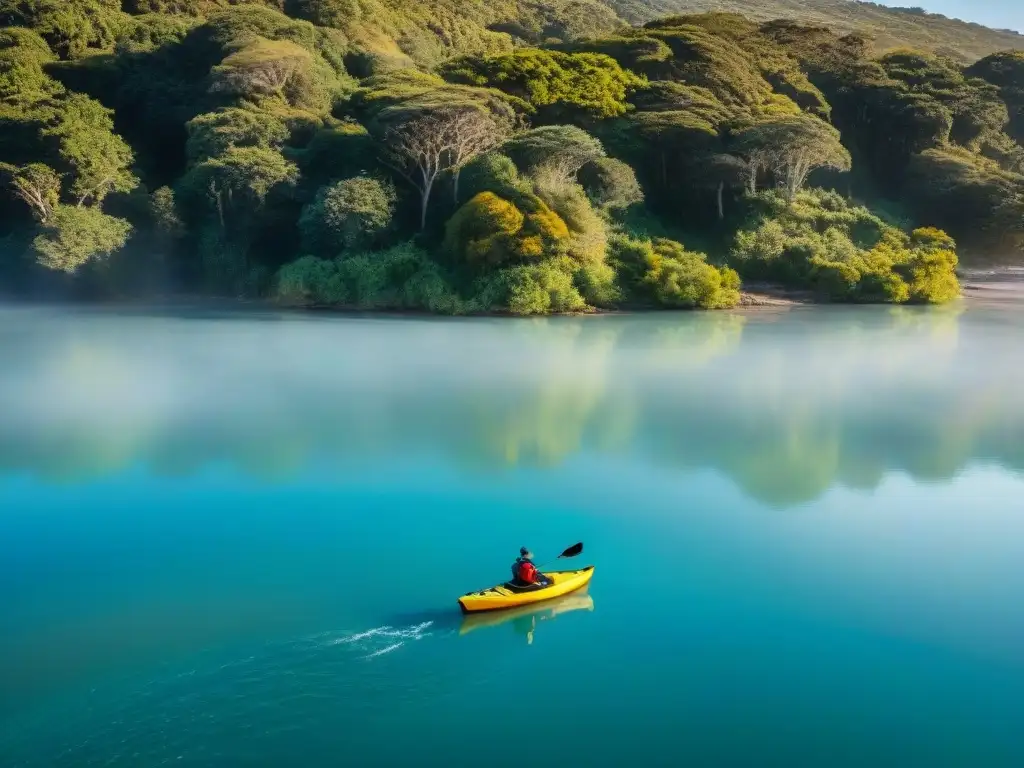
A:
429	143
98	160
237	182
792	147
473	132
719	172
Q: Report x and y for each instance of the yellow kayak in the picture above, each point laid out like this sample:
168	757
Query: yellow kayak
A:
577	601
509	595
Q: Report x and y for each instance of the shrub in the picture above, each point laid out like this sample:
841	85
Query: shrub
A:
352	214
843	252
400	278
493	172
490	231
680	278
663	273
598	285
531	289
611	183
931	270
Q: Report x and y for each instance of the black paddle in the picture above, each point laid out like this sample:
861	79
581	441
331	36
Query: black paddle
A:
572	551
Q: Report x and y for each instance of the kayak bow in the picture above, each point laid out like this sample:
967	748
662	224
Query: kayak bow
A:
509	595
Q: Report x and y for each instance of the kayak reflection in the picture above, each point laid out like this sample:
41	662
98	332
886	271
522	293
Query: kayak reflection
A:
524	620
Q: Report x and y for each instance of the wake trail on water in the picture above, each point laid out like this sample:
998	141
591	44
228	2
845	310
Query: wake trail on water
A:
380	640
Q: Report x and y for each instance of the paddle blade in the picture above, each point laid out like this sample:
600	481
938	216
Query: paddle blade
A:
572	551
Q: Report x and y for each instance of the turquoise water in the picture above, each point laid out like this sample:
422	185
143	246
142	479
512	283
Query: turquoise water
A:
237	540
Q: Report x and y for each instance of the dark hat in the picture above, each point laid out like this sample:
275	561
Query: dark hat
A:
525	552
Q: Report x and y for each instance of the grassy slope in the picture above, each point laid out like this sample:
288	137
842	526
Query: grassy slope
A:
428	31
888	28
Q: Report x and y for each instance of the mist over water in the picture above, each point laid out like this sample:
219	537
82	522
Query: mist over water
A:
239	537
814	397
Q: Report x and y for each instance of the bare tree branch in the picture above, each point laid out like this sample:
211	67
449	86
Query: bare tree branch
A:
37	185
422	148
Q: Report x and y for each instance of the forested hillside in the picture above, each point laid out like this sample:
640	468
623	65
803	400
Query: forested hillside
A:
490	156
885	27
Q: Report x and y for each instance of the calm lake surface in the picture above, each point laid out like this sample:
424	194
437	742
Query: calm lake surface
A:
238	539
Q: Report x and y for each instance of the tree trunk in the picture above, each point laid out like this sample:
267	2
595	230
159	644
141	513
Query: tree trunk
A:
220	210
720	199
455	186
752	179
424	202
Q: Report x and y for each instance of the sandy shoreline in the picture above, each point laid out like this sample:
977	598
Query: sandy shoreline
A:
1002	287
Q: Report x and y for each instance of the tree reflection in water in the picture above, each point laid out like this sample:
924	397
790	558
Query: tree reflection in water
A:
786	404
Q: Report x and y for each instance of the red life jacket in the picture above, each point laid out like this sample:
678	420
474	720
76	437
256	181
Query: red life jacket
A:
528	572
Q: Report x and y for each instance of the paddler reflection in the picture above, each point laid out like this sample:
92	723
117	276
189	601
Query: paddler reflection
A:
525	620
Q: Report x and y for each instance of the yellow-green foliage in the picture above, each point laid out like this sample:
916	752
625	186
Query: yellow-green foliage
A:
153	30
258	68
680	278
571	207
391	97
531	289
403	32
74	235
756	52
861	275
727	57
533	258
592	83
23	81
845	253
663	273
931	269
71	27
237	24
490	231
213	133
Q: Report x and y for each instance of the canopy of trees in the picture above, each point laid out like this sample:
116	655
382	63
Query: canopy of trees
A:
499	156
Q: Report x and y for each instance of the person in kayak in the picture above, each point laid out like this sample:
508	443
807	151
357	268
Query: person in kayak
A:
525	573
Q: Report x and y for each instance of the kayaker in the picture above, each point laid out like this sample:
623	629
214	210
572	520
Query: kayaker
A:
524	572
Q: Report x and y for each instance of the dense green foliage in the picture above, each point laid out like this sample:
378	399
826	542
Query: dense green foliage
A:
500	156
351	214
844	253
558	85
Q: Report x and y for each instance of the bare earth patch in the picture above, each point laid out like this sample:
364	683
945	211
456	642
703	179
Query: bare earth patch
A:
1000	287
767	296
